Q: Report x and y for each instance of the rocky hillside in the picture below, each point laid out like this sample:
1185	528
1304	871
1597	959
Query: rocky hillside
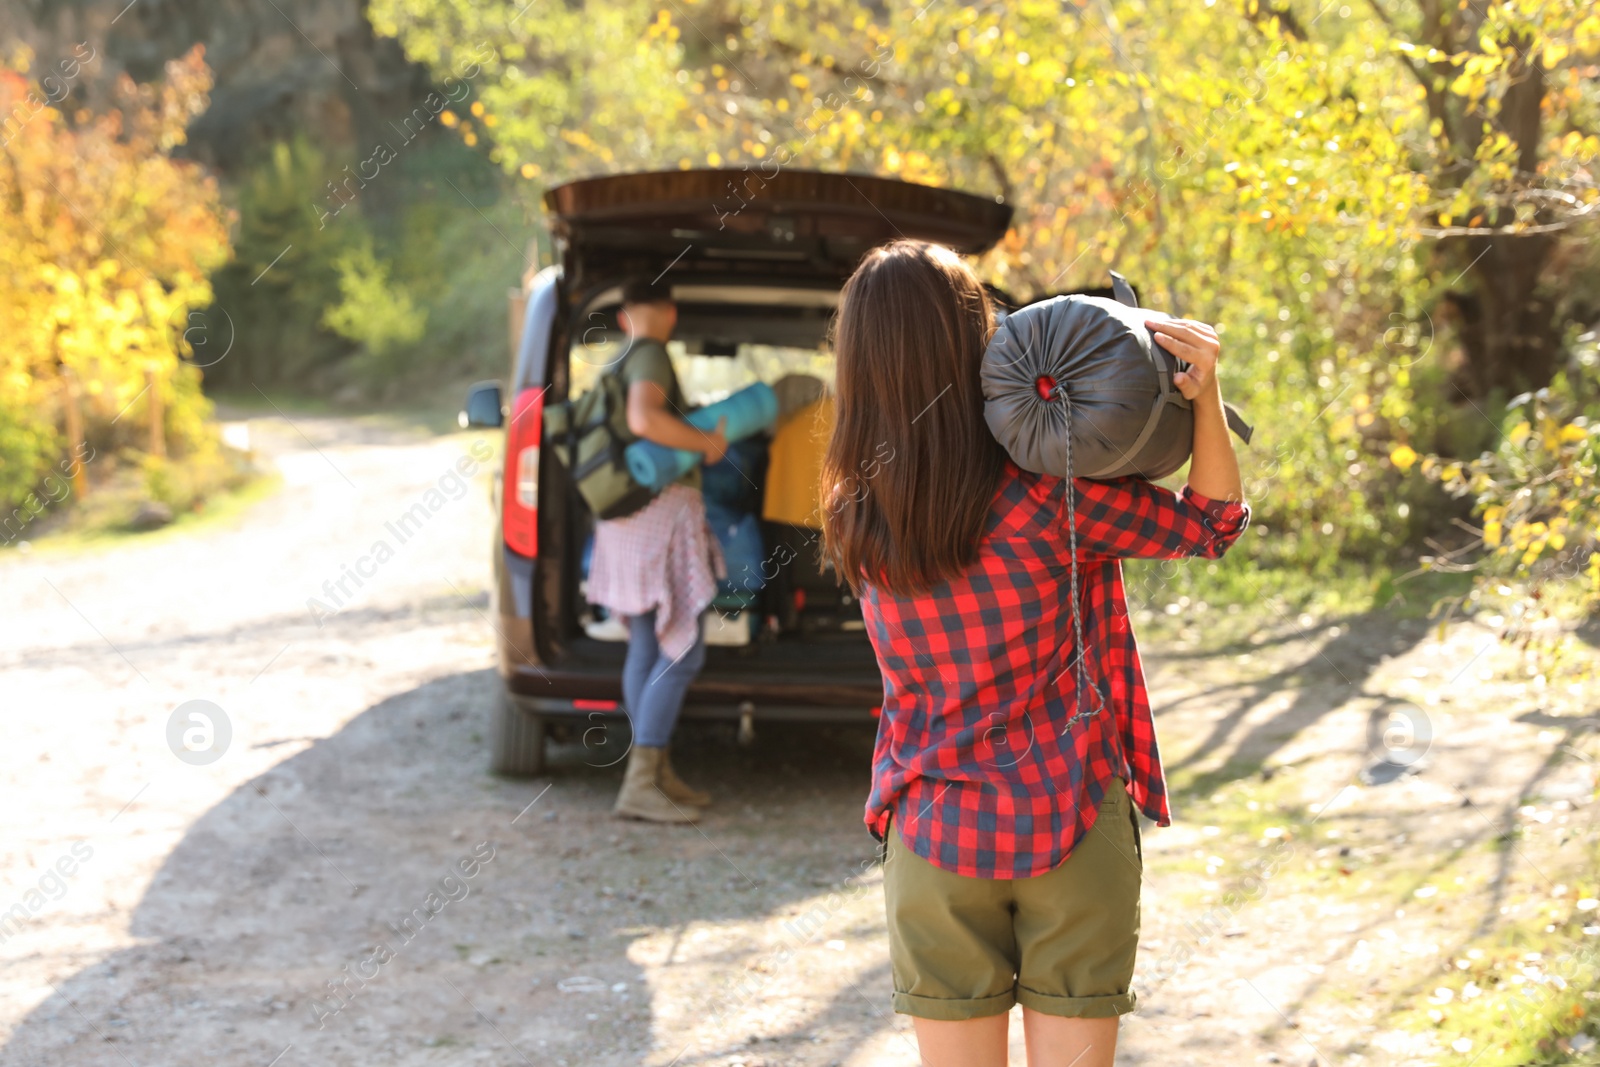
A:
282	66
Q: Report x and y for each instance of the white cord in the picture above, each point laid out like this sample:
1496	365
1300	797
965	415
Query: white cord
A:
1080	676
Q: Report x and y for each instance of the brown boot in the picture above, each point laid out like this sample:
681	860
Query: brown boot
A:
641	798
676	788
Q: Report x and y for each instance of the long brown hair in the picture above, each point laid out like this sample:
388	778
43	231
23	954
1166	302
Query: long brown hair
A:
912	469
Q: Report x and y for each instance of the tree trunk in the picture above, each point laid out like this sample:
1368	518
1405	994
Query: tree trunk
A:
1508	327
74	414
157	426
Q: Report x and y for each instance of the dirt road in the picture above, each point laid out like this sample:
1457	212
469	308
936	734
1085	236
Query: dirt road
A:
345	884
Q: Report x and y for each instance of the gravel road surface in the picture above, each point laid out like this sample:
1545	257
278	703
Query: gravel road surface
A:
345	884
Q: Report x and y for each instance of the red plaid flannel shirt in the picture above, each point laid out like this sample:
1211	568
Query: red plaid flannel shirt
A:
979	677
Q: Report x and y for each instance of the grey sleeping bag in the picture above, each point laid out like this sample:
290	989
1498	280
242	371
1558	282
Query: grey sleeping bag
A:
1077	386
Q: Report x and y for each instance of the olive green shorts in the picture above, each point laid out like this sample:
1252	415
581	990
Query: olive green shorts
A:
1061	943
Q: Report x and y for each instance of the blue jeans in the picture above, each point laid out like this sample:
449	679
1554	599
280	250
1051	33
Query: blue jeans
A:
653	685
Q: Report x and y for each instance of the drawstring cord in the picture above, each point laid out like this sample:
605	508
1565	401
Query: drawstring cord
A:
1081	669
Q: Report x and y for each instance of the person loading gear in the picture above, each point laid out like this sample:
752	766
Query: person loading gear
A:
658	567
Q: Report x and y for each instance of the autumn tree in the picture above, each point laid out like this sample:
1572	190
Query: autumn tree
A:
1507	92
1311	176
106	243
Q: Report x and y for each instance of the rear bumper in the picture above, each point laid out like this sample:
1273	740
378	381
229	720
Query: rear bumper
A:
568	691
571	689
692	709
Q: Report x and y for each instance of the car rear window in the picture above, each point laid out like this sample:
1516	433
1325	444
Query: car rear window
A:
705	378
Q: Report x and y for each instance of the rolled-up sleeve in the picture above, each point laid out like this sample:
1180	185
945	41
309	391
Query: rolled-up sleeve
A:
1130	518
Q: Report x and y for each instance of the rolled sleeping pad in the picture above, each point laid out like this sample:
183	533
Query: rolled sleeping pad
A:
749	411
1076	386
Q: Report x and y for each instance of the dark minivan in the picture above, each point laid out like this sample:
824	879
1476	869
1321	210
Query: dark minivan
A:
755	262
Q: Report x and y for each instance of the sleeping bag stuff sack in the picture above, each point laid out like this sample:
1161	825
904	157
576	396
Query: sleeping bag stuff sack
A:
749	411
1077	386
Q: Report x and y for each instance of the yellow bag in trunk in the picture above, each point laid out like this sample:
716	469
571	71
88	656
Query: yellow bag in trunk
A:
794	469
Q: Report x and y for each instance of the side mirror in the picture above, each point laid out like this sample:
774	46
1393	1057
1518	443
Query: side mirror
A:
483	410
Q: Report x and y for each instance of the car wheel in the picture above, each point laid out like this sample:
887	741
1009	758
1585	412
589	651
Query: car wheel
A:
516	739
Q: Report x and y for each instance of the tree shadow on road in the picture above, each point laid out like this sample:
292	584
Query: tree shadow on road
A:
1326	677
379	898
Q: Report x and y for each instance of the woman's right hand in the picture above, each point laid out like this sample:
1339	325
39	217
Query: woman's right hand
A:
717	443
1195	343
1213	466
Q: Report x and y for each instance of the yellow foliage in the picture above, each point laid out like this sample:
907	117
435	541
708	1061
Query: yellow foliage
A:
1536	494
107	243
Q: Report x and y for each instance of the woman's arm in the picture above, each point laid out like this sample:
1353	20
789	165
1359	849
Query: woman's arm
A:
1131	518
1213	468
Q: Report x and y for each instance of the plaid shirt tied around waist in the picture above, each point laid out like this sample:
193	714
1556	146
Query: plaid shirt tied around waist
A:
663	558
975	759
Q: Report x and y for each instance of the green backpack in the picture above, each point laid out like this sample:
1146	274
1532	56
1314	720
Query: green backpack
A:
589	436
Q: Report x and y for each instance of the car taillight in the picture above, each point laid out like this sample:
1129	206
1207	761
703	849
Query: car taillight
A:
528	477
519	503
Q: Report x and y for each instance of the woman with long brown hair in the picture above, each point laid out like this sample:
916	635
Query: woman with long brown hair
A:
1012	757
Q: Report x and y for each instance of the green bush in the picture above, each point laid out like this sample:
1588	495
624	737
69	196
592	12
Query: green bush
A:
284	272
373	311
402	286
183	485
1537	496
28	442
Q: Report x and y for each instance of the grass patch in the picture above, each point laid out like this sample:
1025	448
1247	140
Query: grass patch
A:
1522	992
1261	829
82	531
1209	782
433	411
1526	989
1250	833
1526	994
1226	600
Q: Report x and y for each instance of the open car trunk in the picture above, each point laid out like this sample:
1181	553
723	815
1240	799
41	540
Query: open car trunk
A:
781	610
785	226
755	262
